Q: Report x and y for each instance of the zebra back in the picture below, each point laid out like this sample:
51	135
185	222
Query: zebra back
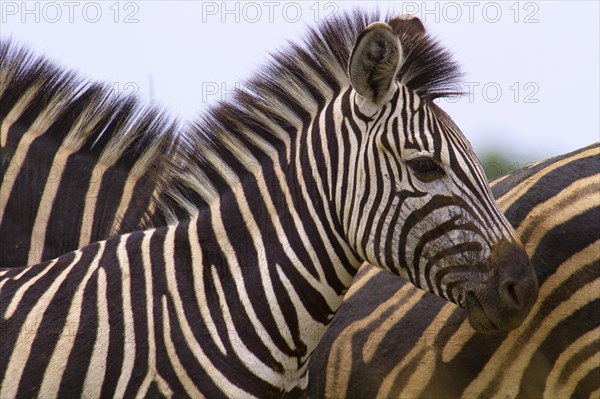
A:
391	340
79	162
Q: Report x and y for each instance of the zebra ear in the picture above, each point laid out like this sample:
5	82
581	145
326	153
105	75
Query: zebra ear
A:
408	25
375	61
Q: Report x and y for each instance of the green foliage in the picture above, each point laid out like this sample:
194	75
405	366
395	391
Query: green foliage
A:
496	163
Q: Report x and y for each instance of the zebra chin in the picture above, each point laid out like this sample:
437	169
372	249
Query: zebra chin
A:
503	301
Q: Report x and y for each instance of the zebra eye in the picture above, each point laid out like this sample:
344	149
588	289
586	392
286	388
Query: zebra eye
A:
426	169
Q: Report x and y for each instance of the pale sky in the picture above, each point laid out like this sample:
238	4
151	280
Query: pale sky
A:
532	68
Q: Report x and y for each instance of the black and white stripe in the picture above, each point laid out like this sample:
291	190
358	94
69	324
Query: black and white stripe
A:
335	154
79	162
391	340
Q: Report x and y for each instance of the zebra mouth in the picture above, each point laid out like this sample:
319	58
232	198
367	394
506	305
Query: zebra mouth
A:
477	316
460	300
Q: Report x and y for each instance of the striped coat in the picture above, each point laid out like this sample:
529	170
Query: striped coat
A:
78	163
401	342
282	197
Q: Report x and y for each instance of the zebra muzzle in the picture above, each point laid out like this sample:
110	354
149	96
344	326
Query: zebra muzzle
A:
503	302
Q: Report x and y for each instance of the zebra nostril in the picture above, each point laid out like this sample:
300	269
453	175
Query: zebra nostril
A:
517	283
512	294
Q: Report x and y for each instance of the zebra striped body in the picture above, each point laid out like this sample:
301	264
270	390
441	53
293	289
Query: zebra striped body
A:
79	163
288	195
135	303
401	342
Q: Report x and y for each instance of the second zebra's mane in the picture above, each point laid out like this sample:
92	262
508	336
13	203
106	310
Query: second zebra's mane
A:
282	98
82	116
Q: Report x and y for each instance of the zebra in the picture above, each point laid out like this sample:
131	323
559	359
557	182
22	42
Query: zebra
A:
398	342
359	164
65	181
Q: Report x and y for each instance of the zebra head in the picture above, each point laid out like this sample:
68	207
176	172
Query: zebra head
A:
422	207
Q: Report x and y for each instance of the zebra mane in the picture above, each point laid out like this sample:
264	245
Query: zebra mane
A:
267	111
428	68
292	87
84	116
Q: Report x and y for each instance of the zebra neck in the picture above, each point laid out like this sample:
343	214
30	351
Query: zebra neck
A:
267	223
292	167
287	271
255	286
